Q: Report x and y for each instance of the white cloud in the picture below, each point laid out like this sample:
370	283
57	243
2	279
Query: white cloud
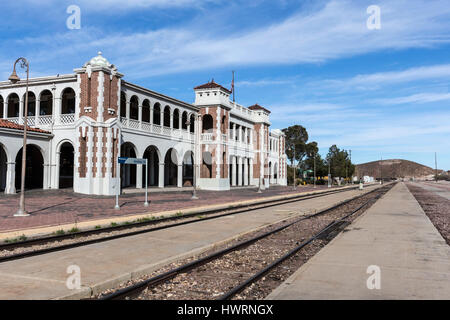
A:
336	30
415	98
388	78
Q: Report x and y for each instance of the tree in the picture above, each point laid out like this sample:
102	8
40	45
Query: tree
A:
339	162
296	138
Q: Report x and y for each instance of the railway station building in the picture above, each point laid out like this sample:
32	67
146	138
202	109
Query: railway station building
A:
80	123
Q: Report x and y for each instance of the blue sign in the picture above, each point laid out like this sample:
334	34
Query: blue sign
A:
132	161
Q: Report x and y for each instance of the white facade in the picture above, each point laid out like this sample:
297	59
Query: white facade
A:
92	117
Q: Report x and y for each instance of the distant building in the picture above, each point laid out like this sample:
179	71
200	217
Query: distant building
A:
81	123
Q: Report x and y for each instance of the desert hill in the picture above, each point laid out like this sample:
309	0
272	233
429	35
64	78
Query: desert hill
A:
394	168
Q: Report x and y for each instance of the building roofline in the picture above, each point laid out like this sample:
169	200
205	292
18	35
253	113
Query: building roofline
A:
160	95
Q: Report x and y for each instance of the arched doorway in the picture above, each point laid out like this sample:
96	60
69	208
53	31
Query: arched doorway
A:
3	168
270	173
34	172
170	168
128	171
188	169
66	158
275	173
206	171
151	153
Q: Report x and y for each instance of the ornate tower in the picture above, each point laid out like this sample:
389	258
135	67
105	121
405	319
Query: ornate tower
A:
97	143
213	100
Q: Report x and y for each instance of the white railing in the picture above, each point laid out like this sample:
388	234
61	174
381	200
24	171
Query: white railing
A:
133	124
207	137
67	118
157	129
45	120
14	120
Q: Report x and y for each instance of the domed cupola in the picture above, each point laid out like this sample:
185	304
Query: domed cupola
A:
99	61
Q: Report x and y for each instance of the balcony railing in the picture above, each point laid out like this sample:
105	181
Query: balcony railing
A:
156	129
45	120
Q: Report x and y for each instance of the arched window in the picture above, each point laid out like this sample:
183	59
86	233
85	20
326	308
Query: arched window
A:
167	116
184	119
223	127
46	108
134	108
1	106
157	114
176	119
208	123
123	104
31	104
13	105
192	121
146	111
68	101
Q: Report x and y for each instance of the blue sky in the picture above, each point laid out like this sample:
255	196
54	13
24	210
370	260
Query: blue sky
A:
381	93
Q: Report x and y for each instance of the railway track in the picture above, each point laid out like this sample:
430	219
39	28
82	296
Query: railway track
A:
48	244
208	279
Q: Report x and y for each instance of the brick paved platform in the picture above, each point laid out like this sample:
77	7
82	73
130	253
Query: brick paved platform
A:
62	207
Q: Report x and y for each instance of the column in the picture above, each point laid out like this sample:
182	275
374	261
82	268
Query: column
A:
161	175
5	108
46	184
127	112
245	171
140	116
10	187
139	179
239	166
57	111
180	176
21	108
151	115
38	112
251	172
233	169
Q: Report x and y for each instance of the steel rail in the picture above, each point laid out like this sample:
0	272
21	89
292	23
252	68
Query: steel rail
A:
154	281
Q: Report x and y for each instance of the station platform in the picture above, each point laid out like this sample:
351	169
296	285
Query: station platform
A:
395	235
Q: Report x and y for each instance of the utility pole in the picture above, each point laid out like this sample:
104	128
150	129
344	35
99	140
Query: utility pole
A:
314	170
351	163
381	170
435	164
329	173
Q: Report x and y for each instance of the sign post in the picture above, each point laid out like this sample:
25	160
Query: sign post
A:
136	161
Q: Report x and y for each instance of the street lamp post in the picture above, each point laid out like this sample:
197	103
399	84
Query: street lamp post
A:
14	79
293	164
261	154
195	164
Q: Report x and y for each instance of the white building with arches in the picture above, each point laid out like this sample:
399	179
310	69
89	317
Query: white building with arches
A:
79	124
